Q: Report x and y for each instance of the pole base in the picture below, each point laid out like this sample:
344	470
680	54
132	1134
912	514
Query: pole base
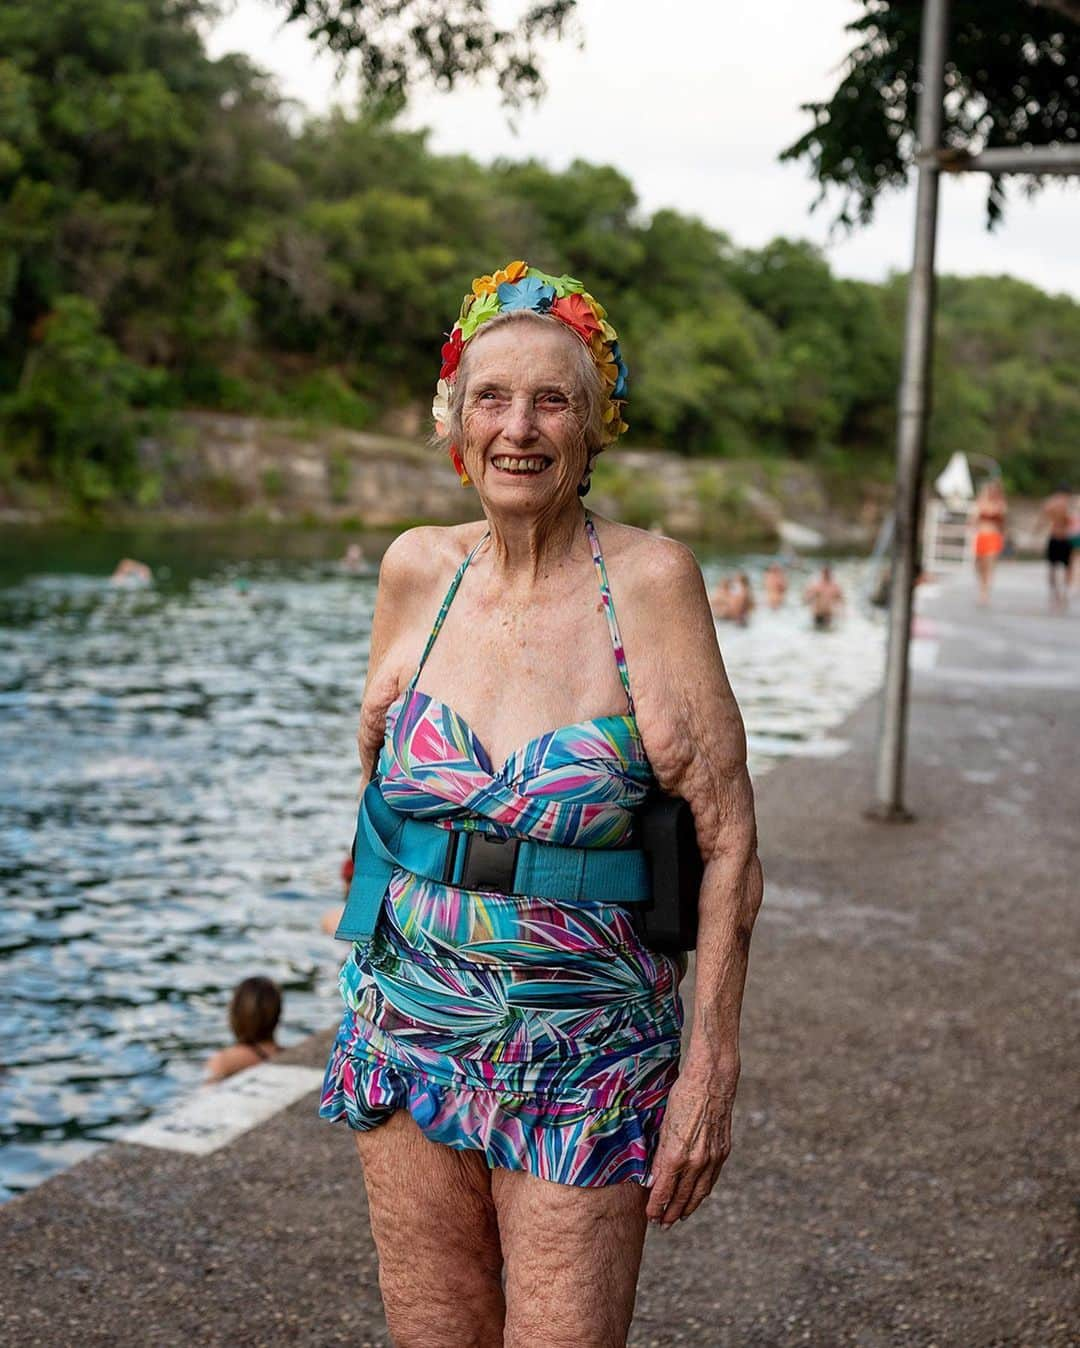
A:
883	813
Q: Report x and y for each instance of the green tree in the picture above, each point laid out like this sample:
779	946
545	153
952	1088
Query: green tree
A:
72	419
1012	78
401	43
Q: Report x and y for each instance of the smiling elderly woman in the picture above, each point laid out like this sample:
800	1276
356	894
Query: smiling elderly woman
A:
510	1054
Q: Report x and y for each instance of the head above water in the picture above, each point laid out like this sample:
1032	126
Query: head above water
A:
532	311
255	1010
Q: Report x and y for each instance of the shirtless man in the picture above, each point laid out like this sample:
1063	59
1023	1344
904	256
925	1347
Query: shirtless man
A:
1056	515
824	597
775	582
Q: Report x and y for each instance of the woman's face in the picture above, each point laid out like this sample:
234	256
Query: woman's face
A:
521	417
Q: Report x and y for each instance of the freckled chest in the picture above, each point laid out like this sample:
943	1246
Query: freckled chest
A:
516	665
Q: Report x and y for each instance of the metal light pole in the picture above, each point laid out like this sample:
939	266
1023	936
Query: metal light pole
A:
912	411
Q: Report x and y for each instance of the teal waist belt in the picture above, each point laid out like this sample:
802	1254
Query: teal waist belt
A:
473	860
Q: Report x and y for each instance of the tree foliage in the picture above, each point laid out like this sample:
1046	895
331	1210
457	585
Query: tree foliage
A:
170	238
398	44
1012	79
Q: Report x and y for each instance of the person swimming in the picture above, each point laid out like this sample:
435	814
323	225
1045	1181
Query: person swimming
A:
775	583
720	600
824	597
741	600
130	572
254	1012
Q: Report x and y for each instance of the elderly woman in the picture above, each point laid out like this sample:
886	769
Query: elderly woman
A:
511	1061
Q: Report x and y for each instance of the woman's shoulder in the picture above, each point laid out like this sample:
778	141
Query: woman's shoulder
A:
645	561
426	552
228	1061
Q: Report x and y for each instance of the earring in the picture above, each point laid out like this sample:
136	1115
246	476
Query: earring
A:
459	465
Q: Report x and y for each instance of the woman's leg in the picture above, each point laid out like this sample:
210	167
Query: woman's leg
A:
572	1260
436	1233
982	570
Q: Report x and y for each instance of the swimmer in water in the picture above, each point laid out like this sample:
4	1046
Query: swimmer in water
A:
254	1012
328	923
720	600
775	583
354	559
824	597
741	603
130	572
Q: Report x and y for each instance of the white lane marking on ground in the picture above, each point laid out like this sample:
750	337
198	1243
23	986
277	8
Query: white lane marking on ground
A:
217	1114
1008	678
924	652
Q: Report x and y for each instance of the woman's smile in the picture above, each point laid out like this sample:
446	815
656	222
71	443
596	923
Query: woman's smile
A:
521	465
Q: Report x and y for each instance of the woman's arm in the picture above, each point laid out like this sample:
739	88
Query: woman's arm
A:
694	736
401	602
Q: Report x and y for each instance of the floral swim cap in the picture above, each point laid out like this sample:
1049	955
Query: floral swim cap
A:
519	286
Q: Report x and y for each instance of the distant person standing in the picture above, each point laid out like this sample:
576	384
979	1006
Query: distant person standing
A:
254	1012
1074	539
988	518
775	585
1056	514
824	598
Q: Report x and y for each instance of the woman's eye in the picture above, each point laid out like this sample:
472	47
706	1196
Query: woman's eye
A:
488	395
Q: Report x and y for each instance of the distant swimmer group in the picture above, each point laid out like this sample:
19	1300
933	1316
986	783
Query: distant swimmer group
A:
732	599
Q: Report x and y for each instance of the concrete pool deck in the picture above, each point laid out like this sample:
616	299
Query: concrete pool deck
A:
906	1150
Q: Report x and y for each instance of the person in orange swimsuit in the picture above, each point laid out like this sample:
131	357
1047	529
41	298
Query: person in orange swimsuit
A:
989	521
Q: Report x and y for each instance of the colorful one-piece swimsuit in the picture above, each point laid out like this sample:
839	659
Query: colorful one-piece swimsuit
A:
544	1034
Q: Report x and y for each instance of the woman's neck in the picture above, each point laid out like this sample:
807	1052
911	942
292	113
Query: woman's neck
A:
524	547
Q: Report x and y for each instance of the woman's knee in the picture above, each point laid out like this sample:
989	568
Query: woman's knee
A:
437	1238
572	1261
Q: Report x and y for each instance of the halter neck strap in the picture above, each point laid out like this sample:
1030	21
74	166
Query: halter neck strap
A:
609	610
445	609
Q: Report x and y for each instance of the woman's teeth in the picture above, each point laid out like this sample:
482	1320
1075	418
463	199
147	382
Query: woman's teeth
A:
515	465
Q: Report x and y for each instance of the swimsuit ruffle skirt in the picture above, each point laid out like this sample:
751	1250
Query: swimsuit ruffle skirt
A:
545	1035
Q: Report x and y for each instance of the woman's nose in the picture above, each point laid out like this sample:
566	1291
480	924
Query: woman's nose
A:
520	426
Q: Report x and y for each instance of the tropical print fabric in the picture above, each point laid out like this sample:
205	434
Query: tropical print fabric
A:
542	1034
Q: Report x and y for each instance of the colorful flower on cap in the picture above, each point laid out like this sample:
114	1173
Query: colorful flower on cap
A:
519	287
440	407
577	313
484	285
531	293
451	355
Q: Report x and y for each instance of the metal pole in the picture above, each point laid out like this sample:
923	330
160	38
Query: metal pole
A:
912	408
1003	159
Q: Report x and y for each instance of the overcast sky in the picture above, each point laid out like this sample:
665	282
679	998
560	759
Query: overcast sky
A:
694	111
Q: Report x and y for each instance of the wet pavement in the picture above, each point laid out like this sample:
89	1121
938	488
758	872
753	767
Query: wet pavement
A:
906	1151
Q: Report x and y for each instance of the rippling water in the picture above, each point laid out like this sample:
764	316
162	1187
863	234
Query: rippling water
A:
177	779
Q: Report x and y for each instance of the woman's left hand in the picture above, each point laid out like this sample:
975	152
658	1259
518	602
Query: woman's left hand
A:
695	1140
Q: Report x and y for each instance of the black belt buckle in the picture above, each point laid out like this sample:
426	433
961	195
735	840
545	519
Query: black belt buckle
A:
489	863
